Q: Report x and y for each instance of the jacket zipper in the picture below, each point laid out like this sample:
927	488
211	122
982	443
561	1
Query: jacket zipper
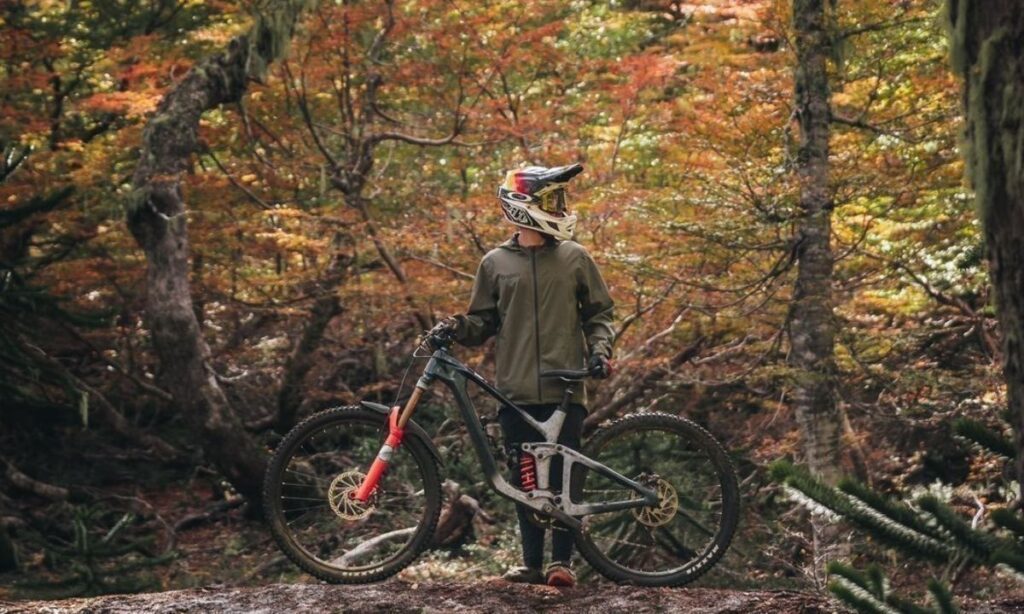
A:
536	320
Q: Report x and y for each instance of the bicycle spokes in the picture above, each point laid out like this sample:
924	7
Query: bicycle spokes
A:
322	514
685	526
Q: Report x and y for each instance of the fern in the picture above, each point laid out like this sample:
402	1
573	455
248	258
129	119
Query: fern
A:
985	437
942	597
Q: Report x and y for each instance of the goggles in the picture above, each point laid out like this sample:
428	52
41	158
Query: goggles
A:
553	202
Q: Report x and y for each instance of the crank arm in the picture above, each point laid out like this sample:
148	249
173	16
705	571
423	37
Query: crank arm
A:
573	524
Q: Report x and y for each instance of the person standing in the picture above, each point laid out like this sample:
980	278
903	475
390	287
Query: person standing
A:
542	296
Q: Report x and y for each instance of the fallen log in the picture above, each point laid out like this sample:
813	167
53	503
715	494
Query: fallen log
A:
370	546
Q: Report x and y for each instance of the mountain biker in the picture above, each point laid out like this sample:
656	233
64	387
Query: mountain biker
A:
541	294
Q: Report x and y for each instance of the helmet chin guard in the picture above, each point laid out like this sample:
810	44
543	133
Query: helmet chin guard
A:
534	197
526	216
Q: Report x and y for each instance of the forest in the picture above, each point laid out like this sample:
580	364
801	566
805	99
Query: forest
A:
219	218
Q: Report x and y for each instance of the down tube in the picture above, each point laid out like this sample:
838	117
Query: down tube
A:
476	430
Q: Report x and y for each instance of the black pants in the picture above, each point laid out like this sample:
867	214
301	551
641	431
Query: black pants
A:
517	430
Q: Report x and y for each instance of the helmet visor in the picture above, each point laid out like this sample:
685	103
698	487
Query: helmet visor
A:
554	203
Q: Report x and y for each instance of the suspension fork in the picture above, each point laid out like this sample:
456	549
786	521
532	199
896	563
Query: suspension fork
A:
397	420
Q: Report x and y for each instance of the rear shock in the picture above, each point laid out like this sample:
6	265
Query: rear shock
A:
527	471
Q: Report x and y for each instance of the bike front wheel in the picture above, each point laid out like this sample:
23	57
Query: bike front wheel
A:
682	537
325	531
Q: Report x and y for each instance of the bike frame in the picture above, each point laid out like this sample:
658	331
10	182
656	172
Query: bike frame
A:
454	374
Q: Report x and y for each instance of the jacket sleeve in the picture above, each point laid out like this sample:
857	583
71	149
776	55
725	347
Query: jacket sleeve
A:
481	320
597	309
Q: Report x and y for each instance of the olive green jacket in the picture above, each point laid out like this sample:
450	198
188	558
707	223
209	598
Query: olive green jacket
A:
548	307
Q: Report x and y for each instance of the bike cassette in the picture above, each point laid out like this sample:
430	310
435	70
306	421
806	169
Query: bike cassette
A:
341	496
668	503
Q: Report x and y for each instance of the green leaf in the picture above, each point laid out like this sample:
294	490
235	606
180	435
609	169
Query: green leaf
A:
942	598
1008	519
978	544
83	408
857	597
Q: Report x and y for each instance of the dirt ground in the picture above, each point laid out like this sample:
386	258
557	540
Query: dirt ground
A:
485	596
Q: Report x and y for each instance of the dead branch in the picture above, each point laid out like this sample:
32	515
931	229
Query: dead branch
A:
641	311
991	345
442	265
159	393
47	491
422	318
642	384
370	545
249	193
209	515
646	346
106	410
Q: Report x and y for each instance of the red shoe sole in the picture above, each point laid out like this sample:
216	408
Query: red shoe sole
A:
562	580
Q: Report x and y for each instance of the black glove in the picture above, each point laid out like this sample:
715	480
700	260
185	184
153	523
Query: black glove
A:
449	326
444	330
600	366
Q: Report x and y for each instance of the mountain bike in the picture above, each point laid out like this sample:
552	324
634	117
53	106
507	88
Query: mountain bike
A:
353	494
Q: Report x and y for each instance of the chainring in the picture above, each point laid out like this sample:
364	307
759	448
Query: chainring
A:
541	520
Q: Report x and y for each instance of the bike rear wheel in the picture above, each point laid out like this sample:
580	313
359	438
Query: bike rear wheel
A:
323	530
685	535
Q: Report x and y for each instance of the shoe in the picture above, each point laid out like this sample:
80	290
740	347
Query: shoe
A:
561	575
527	575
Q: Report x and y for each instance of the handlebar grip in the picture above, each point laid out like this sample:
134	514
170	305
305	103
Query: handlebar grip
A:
574	374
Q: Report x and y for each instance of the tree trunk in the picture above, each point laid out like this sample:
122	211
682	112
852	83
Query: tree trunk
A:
812	328
156	215
455	525
988	50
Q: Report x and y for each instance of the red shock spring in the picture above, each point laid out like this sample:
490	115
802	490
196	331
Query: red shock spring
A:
527	471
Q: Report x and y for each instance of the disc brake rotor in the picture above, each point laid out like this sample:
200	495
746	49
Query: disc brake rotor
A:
665	511
341	496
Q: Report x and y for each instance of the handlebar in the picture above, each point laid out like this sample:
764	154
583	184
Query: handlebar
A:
441	336
571	374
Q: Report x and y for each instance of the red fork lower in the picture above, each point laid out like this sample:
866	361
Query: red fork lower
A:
380	464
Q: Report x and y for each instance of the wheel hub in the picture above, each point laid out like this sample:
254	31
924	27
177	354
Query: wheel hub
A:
668	503
341	496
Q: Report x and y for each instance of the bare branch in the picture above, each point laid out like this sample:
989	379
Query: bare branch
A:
442	265
412	140
252	195
640	311
105	409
